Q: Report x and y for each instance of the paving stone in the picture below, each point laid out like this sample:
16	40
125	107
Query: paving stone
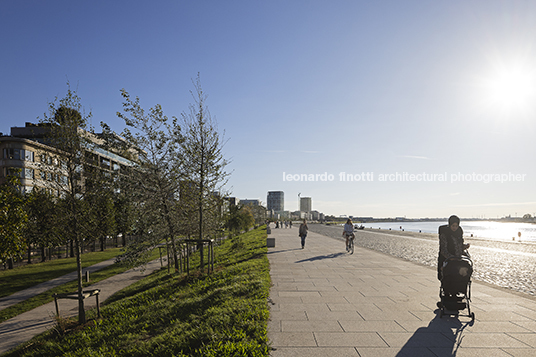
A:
333	315
499	340
315	352
396	352
471	352
526	338
519	352
371	326
352	339
293	339
310	326
417	339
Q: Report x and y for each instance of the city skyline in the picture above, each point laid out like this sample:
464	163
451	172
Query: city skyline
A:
384	109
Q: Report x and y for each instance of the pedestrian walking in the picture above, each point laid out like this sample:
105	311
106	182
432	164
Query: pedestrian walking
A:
303	233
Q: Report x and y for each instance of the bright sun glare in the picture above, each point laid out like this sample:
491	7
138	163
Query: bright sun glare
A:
510	89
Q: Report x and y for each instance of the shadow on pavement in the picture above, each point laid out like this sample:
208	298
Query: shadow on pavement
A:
447	334
321	257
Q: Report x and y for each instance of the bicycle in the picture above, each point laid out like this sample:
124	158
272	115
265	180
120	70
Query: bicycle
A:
350	247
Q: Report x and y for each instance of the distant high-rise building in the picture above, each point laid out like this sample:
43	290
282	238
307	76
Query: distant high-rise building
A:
250	202
276	200
306	204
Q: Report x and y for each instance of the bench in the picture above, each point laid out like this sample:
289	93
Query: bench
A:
74	296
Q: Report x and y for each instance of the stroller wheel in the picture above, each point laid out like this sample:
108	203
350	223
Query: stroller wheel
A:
472	316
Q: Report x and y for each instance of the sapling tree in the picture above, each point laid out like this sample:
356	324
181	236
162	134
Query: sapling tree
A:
13	219
153	182
44	223
203	169
63	175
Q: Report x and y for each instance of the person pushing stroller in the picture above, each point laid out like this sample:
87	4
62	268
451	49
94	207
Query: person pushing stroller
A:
450	242
454	269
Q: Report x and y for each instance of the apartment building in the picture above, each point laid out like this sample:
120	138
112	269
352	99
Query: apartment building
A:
40	165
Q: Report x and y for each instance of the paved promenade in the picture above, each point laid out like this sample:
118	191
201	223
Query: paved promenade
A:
327	302
25	326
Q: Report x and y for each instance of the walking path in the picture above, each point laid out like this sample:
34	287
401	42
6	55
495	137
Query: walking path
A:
25	294
25	326
327	302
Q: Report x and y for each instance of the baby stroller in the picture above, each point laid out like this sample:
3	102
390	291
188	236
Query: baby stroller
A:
455	291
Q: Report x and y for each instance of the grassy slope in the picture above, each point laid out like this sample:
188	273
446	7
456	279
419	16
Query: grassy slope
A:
224	314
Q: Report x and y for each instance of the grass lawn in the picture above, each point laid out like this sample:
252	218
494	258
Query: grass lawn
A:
69	287
20	278
222	314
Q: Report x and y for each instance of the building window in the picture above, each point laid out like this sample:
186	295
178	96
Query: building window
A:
13	154
105	163
19	154
28	155
29	174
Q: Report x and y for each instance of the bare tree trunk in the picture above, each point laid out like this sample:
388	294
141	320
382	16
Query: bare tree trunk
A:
172	237
78	243
201	188
81	310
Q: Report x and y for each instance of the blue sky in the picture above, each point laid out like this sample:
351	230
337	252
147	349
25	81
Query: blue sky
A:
418	88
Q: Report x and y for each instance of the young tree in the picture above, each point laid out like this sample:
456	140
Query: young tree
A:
103	216
240	218
125	219
12	221
259	214
99	186
203	166
68	134
120	185
154	181
43	224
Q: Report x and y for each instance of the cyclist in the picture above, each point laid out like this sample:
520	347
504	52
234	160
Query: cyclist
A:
348	231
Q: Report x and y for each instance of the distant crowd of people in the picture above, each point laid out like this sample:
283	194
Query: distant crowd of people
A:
283	224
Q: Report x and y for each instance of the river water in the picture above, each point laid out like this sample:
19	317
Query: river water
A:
502	231
502	263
